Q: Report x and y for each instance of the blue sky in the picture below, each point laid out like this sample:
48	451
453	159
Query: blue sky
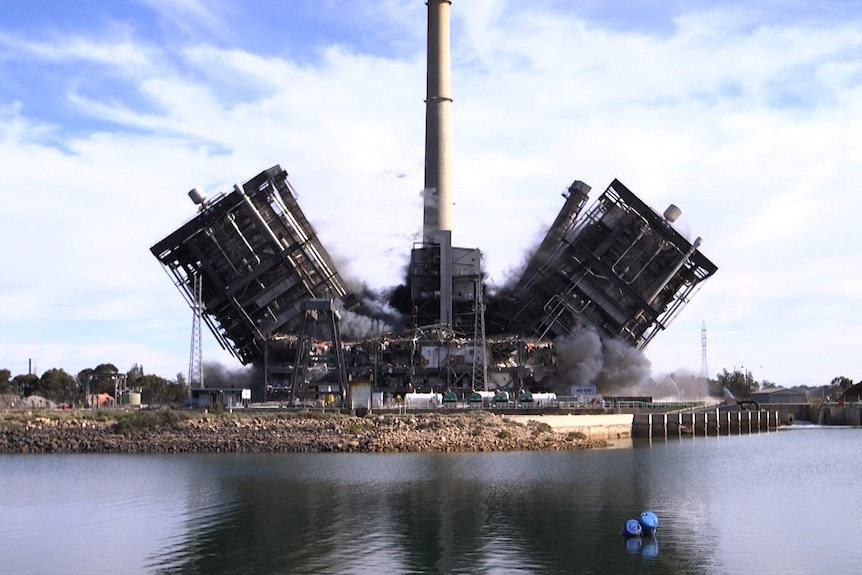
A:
744	114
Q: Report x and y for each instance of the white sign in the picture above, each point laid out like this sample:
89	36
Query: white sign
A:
583	390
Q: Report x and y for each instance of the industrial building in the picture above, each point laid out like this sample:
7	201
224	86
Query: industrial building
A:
779	395
620	268
251	267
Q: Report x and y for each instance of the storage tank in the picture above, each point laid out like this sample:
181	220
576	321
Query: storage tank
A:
419	400
544	399
132	398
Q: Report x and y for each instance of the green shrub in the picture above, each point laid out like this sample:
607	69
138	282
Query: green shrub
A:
309	414
99	414
479	414
504	434
11	425
360	428
575	435
146	419
430	424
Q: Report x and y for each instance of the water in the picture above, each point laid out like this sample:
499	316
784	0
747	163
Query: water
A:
779	502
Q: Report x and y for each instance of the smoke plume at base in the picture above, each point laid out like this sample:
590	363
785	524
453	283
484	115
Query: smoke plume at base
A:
614	367
219	376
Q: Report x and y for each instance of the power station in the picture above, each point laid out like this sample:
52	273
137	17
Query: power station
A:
251	265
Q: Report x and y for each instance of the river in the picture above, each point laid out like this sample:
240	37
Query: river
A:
779	502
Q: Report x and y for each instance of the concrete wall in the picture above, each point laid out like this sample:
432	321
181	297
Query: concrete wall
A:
606	427
621	426
851	416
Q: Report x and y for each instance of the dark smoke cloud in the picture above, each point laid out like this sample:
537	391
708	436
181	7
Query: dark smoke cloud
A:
373	318
501	297
220	376
625	368
579	359
613	366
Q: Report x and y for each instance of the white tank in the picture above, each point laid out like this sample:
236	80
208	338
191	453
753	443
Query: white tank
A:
672	213
197	195
418	400
544	398
132	398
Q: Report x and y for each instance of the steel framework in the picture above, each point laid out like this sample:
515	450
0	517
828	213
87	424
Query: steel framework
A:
620	268
319	361
259	259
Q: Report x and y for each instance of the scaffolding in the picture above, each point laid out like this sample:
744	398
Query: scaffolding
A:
319	369
479	374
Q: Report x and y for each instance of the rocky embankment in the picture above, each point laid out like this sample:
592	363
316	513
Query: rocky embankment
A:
169	431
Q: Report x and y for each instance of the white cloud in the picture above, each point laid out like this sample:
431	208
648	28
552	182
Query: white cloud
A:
196	18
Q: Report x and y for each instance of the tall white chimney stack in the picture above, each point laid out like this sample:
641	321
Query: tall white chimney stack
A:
438	139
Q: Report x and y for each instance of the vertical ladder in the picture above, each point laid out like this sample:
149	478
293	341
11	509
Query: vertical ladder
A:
196	371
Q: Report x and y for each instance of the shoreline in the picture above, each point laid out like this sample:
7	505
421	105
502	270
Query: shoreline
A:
182	431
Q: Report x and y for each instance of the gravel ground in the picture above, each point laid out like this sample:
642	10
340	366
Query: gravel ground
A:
168	431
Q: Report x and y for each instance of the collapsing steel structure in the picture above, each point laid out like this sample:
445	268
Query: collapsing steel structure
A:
258	267
252	266
620	268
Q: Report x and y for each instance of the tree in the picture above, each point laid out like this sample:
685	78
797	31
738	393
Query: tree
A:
26	384
135	374
104	379
740	384
836	388
157	389
841	383
57	385
5	381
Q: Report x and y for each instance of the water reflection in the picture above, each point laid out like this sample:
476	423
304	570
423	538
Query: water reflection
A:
443	513
650	548
633	545
721	500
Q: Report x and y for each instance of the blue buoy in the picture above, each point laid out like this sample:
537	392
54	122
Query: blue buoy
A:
632	528
649	522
